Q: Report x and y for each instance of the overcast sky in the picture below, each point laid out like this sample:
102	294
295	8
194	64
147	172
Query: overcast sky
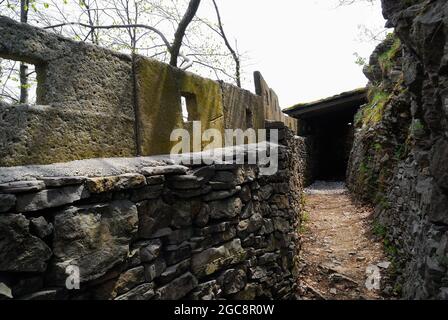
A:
304	48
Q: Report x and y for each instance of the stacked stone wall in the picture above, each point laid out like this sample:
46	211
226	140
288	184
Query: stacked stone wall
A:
399	159
144	228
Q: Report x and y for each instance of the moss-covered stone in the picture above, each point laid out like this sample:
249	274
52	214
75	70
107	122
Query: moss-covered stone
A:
159	91
46	134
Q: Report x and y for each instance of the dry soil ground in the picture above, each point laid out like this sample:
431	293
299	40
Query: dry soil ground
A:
338	246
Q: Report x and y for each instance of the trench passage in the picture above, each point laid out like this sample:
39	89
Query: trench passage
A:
338	245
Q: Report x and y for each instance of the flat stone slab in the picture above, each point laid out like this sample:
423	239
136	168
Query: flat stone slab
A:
22	186
63	181
162	170
99	167
102	167
50	198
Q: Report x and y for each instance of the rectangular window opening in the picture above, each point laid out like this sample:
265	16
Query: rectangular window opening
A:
189	107
249	119
18	82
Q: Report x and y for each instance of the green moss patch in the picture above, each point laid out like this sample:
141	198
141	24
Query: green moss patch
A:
387	59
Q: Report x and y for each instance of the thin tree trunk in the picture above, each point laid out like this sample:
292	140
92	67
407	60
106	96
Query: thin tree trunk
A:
24	95
181	28
235	56
93	36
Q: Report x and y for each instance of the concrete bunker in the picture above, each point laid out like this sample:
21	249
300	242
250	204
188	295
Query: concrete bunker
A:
328	126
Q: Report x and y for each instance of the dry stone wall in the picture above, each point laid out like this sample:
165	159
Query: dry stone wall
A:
401	146
144	228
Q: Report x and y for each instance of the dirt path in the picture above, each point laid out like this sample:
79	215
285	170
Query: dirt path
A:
337	248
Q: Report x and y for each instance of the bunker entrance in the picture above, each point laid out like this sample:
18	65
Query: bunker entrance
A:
328	126
331	140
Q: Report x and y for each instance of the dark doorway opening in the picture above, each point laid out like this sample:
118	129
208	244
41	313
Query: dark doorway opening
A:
328	126
332	141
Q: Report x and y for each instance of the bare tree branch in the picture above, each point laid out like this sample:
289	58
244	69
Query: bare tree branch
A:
126	26
215	69
122	26
232	51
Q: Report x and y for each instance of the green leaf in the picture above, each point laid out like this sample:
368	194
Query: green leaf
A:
46	5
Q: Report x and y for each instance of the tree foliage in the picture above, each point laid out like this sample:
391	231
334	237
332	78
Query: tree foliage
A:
170	31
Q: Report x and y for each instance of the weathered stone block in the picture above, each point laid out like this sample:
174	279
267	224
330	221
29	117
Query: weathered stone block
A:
150	250
191	193
248	211
160	86
178	288
161	233
155	180
266	191
108	135
281	225
41	227
50	198
224	177
228	208
115	183
153	216
179	236
221	195
153	270
250	116
129	279
19	250
147	193
204	173
184	211
164	170
245	194
185	182
52	182
216	228
7	202
246	173
22	186
203	216
268	258
222	185
214	259
174	271
281	201
209	290
182	252
95	238
142	292
232	281
257	273
268	227
250	292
